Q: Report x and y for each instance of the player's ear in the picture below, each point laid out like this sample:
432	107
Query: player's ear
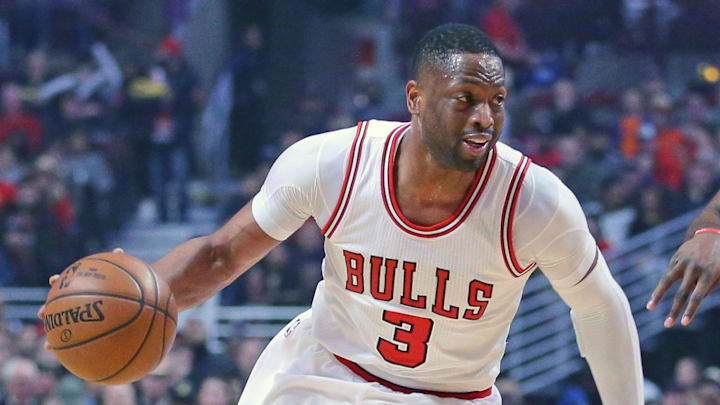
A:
414	97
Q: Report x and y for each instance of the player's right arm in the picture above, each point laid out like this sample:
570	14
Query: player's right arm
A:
696	263
199	268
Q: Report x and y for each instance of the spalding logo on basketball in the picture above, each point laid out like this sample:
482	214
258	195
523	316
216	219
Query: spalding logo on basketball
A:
110	319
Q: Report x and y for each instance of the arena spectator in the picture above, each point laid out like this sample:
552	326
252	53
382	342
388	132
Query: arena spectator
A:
12	170
506	32
71	390
154	389
118	395
633	126
171	129
653	209
687	374
18	127
19	382
214	391
245	353
699	186
673	151
569	117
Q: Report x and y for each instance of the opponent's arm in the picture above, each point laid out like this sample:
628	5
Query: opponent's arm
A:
199	268
568	256
709	217
696	263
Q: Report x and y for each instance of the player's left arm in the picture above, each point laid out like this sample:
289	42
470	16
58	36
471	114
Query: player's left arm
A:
567	254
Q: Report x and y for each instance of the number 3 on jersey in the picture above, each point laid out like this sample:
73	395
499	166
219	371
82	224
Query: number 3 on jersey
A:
415	339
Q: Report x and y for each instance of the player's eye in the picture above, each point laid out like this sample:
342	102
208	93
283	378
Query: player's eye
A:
500	100
463	98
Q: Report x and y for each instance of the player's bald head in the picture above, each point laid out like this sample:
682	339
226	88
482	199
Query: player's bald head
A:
438	46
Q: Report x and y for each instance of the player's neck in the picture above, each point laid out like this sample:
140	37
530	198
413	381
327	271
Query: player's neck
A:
421	181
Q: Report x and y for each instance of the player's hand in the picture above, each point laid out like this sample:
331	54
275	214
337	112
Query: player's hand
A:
51	281
697	264
41	311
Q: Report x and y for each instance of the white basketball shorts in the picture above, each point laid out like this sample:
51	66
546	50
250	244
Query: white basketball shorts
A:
294	369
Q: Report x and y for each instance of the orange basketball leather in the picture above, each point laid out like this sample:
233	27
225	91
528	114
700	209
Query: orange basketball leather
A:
110	319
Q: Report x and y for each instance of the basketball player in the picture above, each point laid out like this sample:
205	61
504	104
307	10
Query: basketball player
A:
432	229
696	263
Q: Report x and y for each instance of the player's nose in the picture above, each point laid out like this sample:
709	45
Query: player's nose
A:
482	117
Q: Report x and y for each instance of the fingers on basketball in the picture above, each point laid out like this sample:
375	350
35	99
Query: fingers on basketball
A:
113	307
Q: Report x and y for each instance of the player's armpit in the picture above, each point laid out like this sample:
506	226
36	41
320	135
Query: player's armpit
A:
199	268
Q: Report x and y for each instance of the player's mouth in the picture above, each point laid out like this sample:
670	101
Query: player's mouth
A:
477	144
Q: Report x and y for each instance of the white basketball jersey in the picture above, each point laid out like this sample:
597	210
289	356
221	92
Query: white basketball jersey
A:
425	307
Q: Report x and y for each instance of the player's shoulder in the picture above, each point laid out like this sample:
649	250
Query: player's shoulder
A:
379	129
370	128
310	148
507	155
541	188
316	142
343	139
334	147
538	179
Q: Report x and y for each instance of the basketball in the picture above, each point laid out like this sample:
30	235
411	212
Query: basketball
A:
110	319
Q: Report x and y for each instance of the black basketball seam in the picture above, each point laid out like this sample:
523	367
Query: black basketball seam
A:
106	333
157	298
147	334
167	305
137	283
124	297
170	296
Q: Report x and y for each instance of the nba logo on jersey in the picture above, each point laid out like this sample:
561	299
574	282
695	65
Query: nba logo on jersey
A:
290	329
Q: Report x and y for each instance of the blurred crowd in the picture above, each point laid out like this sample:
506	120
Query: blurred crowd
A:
84	134
193	375
189	374
88	130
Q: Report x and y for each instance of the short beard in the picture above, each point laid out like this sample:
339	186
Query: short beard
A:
451	160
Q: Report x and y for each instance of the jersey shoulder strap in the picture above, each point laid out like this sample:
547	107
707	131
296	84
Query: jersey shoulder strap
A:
351	170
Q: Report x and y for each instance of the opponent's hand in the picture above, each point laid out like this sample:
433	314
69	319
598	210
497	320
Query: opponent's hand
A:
697	264
51	281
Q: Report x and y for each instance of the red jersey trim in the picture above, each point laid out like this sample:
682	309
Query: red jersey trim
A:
508	217
348	182
355	368
447	225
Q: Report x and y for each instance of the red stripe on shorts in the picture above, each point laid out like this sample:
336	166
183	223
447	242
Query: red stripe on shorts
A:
355	368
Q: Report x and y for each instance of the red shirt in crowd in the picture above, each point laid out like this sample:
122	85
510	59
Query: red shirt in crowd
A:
502	28
24	123
7	194
672	153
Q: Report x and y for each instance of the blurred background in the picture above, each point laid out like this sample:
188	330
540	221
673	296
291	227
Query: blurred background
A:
140	124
